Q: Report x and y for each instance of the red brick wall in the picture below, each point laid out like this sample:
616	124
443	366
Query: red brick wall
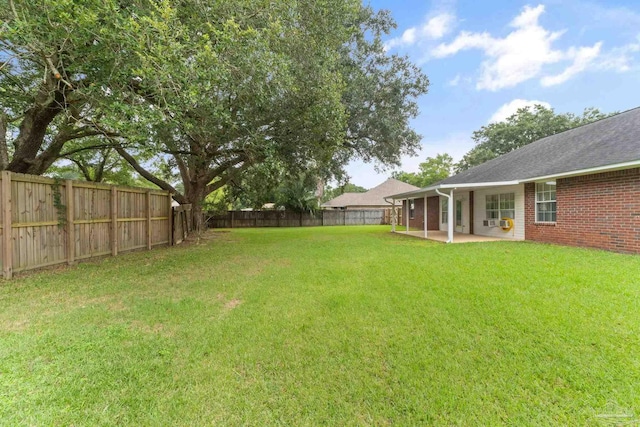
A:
432	213
598	211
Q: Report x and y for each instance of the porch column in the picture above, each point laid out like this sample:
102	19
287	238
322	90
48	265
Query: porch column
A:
425	216
407	216
393	216
450	225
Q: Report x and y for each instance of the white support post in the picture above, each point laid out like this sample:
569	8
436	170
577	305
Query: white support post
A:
407	216
425	216
451	212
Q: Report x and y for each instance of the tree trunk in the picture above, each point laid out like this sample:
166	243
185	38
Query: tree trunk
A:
198	218
195	193
33	129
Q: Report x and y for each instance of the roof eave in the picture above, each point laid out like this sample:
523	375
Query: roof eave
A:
588	171
451	187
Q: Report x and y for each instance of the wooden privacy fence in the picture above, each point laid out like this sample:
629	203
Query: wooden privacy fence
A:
280	218
46	222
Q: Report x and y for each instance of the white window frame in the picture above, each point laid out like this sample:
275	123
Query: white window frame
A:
544	188
444	210
504	197
500	199
487	210
412	208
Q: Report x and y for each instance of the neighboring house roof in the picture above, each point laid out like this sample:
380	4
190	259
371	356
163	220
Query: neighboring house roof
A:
607	144
373	197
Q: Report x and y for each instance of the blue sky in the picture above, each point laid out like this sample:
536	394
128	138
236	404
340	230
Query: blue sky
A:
485	59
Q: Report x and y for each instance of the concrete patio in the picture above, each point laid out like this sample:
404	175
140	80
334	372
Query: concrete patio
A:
441	236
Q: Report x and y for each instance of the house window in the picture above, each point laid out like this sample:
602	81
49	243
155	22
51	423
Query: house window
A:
500	206
508	205
493	206
546	202
444	211
412	208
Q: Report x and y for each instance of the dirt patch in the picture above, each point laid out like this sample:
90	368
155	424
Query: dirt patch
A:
15	325
208	236
231	304
157	328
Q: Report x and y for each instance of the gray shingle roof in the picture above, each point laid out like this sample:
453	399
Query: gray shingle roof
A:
373	197
609	141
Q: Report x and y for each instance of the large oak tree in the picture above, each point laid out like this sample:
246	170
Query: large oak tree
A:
308	91
204	89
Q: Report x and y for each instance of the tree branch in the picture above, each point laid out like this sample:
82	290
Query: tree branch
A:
13	9
149	176
83	169
87	148
56	73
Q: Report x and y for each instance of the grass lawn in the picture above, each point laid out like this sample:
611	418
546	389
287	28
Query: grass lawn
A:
325	326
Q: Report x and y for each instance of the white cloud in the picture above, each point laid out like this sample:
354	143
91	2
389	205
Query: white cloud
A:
465	40
433	28
517	57
409	36
582	58
620	59
512	107
455	81
438	26
527	51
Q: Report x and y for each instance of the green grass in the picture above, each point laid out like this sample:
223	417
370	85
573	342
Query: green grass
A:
325	326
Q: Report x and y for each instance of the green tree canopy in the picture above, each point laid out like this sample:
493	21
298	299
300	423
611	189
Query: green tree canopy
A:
527	125
432	170
63	62
306	92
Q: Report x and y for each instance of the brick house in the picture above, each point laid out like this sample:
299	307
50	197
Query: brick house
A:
580	187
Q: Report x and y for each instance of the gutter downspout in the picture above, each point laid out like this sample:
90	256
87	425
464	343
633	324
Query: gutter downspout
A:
449	214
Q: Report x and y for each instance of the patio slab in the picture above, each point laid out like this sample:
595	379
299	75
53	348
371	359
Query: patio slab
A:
441	236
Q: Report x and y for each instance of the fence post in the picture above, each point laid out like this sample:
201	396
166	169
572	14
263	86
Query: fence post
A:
344	217
148	195
170	218
71	229
114	221
7	247
231	219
